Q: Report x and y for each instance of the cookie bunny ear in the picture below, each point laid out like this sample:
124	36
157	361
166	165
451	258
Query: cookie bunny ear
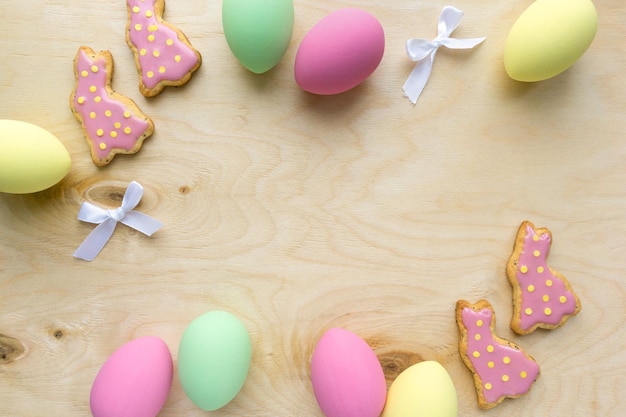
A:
542	297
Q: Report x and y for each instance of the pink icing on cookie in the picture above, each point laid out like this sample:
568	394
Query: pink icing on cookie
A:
545	299
503	368
110	125
161	55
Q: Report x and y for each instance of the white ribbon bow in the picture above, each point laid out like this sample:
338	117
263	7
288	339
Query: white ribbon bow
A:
423	51
107	220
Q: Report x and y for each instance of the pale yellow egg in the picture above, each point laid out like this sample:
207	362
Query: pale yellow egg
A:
423	389
31	158
548	38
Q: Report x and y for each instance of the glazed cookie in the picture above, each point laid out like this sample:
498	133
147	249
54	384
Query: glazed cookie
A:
542	297
163	54
111	122
501	369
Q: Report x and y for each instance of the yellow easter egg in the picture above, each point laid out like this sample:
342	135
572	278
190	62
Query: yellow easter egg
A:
548	37
31	158
423	389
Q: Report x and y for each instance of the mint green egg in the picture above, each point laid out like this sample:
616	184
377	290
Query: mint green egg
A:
214	359
258	32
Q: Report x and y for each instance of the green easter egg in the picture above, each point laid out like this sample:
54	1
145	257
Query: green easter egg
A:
214	359
258	32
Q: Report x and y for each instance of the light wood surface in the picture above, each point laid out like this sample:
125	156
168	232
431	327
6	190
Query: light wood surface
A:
298	213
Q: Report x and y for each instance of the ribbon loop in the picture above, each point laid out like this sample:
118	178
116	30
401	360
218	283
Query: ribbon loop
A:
449	20
108	219
423	51
418	49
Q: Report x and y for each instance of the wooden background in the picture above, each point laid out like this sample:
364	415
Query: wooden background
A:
298	213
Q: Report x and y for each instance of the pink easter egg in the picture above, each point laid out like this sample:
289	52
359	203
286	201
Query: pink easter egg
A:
347	378
134	381
340	52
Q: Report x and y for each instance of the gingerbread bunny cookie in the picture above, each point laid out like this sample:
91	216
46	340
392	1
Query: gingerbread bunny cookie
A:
542	297
111	122
163	54
500	368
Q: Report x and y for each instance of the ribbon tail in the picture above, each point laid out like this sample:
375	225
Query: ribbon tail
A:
416	82
93	244
141	222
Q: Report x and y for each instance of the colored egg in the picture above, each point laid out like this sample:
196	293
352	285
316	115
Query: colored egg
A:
423	389
340	52
31	158
347	378
214	359
548	38
134	381
258	32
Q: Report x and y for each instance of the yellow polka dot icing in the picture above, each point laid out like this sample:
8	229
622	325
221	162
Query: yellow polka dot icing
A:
163	53
111	123
500	368
541	296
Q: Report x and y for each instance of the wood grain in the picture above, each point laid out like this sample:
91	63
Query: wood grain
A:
298	213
